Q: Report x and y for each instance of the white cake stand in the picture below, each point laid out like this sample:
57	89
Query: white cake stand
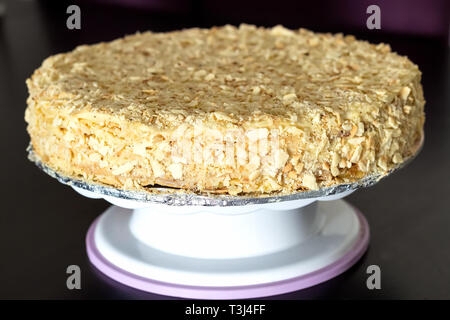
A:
223	247
228	252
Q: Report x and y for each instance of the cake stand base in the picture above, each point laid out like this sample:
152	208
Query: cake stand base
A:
208	255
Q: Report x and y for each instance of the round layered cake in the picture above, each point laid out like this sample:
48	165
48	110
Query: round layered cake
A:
226	110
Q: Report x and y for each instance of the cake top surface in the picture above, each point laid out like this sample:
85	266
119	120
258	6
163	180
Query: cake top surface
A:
225	74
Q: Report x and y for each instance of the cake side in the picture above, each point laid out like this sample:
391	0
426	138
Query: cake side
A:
226	110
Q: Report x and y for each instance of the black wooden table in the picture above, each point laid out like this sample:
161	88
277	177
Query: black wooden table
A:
43	223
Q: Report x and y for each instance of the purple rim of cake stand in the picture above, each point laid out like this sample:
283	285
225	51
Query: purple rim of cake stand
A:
235	292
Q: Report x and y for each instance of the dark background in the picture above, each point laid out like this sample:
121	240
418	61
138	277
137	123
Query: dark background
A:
43	223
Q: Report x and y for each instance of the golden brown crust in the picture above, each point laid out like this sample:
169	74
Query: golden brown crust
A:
227	110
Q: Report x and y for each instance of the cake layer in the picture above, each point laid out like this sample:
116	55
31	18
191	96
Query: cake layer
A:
226	110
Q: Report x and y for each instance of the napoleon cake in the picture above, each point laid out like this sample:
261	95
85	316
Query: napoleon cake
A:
229	110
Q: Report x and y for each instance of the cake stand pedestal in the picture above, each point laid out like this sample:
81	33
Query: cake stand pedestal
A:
226	252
